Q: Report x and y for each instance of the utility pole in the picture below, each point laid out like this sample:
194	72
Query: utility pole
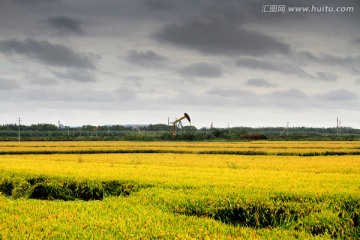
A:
337	126
19	129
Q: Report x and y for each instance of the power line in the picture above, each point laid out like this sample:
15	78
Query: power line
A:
285	129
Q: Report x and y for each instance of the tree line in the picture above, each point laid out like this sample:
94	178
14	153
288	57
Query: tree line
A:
156	132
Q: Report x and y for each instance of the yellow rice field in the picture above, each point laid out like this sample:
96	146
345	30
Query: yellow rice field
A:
191	147
191	183
289	173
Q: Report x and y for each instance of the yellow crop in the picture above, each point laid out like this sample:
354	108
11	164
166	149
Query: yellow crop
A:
181	190
259	146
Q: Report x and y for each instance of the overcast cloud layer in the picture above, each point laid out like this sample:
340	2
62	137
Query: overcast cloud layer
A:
228	62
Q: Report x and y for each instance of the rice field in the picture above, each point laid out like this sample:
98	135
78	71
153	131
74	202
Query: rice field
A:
180	190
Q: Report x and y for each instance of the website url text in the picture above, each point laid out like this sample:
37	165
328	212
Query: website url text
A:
307	9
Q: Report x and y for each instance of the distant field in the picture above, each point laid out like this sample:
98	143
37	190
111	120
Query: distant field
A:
179	190
308	148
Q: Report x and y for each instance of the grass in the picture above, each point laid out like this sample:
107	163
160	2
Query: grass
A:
179	196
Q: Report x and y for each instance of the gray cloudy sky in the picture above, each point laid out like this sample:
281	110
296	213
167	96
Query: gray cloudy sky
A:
142	61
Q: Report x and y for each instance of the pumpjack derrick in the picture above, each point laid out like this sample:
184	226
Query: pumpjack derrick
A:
177	123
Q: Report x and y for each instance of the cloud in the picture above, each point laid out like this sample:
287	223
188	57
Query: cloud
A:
230	97
78	76
35	1
125	95
38	79
325	76
282	67
8	85
146	59
65	25
47	53
204	70
252	10
331	60
225	92
68	95
338	95
164	5
288	94
290	99
220	38
259	82
176	53
134	81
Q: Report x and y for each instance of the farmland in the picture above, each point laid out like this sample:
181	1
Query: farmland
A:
180	190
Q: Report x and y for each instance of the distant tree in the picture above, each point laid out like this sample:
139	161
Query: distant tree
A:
42	127
189	128
156	127
9	127
88	127
253	136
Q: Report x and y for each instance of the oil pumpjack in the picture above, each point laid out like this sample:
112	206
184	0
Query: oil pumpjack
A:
178	122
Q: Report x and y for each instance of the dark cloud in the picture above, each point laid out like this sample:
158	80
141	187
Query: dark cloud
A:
253	12
47	53
78	76
201	70
282	67
259	82
338	95
331	60
38	79
260	64
8	85
190	40
351	63
165	5
146	59
65	25
220	38
35	1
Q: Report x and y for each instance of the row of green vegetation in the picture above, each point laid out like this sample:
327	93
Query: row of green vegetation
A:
335	216
207	152
52	188
160	132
